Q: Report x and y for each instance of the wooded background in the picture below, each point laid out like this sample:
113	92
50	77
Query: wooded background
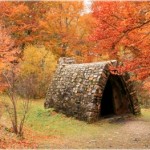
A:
34	35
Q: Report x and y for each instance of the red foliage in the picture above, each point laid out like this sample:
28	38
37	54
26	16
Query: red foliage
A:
123	32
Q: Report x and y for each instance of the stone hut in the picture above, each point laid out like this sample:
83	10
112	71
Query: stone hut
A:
89	91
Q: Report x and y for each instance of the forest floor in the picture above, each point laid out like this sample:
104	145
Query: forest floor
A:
46	129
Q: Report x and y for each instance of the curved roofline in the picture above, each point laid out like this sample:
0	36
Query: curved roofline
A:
90	64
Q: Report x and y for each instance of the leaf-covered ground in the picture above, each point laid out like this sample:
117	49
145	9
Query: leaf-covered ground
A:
47	129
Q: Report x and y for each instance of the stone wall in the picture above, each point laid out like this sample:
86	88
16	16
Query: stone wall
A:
76	89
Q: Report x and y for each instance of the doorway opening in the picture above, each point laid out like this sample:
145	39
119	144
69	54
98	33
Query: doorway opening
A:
114	100
107	106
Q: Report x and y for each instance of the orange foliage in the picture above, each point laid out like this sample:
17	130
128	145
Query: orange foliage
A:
59	26
8	52
7	48
22	19
123	32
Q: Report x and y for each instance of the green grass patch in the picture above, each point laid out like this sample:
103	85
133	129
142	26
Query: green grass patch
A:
49	122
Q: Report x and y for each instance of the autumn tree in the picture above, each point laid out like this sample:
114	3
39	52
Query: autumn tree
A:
60	27
9	60
123	32
6	56
53	24
22	19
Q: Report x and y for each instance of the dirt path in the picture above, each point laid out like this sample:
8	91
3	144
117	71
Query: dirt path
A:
124	134
130	134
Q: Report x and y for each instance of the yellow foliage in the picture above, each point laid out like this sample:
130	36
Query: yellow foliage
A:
35	71
37	60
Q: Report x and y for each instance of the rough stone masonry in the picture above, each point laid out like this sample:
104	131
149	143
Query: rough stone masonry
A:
77	90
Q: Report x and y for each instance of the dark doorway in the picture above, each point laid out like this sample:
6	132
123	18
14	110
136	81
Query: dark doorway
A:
107	106
115	100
